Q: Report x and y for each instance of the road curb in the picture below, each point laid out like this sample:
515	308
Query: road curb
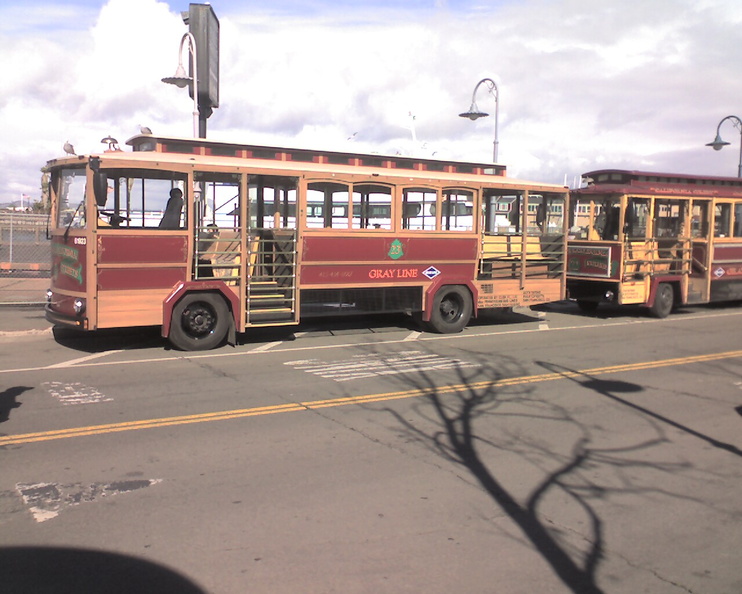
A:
19	333
22	303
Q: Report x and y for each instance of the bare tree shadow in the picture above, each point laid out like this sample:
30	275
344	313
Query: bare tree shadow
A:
8	401
475	427
608	387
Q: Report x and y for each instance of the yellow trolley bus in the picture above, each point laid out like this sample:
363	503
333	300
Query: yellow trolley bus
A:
655	239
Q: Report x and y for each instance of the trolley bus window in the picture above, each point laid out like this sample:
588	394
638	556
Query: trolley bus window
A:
699	220
579	218
70	188
456	210
418	209
332	198
500	212
668	218
606	221
596	218
272	201
139	199
637	213
722	217
218	200
545	214
737	220
372	207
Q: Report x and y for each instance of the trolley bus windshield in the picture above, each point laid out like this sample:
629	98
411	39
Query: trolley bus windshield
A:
71	210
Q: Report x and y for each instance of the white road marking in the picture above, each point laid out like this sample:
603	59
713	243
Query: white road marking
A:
75	393
413	336
267	346
83	359
365	366
46	500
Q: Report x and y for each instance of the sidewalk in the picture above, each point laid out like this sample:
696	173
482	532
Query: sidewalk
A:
22	306
23	290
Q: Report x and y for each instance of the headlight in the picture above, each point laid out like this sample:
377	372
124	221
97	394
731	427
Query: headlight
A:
49	295
79	306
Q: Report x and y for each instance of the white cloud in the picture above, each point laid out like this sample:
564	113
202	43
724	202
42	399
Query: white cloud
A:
583	84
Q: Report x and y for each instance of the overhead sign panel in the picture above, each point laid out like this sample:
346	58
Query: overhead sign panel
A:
204	26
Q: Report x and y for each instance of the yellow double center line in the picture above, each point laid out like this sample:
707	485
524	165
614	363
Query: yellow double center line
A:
317	404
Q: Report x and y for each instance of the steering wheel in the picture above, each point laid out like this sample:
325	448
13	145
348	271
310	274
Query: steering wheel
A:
114	219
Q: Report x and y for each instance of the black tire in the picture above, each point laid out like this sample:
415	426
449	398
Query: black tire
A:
664	301
200	322
451	309
417	318
588	306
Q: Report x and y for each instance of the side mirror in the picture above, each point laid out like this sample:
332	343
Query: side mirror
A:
100	187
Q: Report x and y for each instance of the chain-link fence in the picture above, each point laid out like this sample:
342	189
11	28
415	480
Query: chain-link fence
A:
23	243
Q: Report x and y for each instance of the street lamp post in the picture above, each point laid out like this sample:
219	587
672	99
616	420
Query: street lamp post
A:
719	144
182	80
474	113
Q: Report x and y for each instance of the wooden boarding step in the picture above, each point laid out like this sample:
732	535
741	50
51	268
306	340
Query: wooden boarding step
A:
268	303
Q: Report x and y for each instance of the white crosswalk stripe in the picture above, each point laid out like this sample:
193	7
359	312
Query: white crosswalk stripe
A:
366	366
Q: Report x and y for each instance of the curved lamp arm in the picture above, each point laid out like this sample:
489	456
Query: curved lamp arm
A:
182	80
474	113
719	144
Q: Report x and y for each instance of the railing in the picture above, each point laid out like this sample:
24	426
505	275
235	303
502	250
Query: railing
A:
503	256
23	242
657	256
271	277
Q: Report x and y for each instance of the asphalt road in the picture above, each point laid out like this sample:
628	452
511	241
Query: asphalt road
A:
540	451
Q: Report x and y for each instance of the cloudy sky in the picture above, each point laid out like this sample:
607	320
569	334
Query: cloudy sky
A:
583	84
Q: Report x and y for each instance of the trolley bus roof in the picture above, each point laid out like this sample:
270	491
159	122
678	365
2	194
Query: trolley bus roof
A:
622	181
207	152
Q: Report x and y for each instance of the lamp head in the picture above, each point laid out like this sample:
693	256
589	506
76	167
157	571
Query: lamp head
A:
718	143
473	113
180	79
113	144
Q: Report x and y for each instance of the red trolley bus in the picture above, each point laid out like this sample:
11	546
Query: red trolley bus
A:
207	239
655	239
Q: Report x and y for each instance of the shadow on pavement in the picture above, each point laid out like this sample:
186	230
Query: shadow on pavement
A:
150	337
51	569
99	341
8	403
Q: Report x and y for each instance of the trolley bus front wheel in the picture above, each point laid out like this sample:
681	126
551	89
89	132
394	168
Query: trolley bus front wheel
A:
452	309
664	301
200	322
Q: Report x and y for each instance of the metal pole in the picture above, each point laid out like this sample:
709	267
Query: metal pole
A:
192	50
497	119
10	255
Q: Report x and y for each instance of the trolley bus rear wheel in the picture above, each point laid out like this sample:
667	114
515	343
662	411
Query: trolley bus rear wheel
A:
663	301
452	309
200	322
